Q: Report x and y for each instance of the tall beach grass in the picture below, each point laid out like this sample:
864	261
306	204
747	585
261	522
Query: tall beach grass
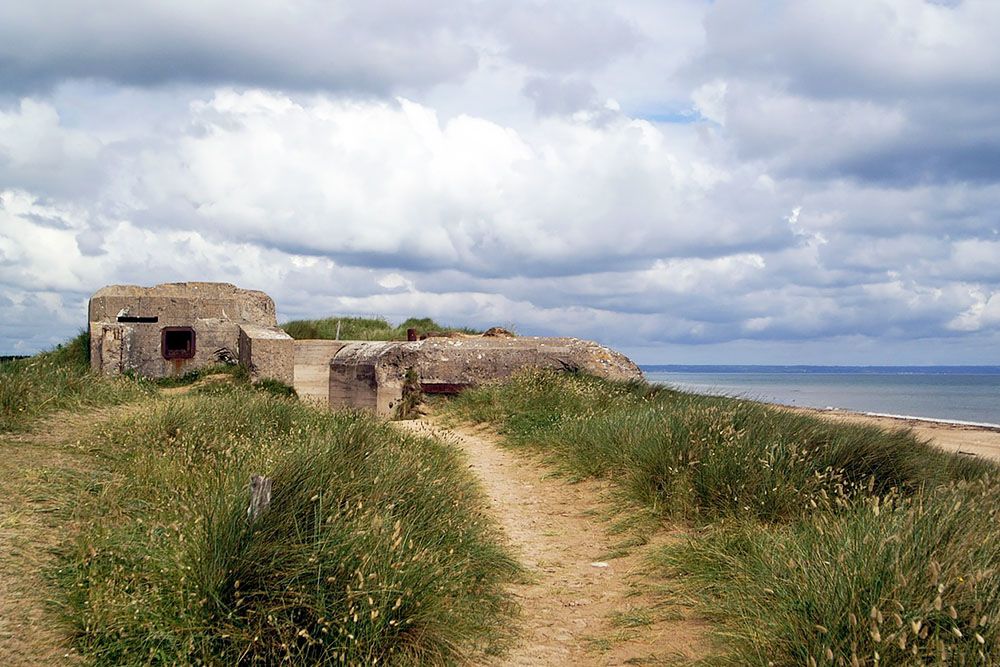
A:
704	457
363	328
811	542
374	547
897	582
56	380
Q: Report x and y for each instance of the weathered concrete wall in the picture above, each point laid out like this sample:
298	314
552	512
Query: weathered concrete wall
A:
476	360
109	347
185	301
136	346
127	324
312	368
171	329
355	377
268	352
370	375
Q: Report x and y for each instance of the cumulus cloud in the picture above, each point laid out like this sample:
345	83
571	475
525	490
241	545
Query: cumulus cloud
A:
564	37
898	91
38	153
376	46
390	184
553	95
370	46
675	178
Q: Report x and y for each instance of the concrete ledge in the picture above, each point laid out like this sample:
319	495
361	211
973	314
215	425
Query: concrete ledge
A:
370	375
268	352
312	368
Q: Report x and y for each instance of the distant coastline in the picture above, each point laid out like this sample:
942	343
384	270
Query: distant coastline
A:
945	384
819	370
962	396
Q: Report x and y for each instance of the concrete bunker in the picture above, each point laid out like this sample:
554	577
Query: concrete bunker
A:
175	328
171	329
373	374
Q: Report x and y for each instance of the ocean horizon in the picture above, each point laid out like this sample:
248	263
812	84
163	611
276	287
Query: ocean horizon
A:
958	394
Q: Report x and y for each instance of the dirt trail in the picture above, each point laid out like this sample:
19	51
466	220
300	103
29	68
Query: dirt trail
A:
41	471
579	606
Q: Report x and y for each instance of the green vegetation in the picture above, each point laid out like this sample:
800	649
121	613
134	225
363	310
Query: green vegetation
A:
706	457
811	540
373	547
57	380
239	374
413	396
233	373
904	581
363	328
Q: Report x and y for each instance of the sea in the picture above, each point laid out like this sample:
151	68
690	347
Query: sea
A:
955	394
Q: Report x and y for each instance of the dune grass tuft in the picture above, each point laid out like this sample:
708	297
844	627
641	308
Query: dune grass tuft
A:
706	457
812	542
374	546
59	379
897	582
363	328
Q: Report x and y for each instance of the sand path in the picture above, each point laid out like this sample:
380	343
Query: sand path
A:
579	605
42	472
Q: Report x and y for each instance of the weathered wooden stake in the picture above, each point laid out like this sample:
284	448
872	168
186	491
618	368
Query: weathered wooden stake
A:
260	496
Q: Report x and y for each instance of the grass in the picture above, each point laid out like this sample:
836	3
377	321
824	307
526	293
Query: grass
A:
810	540
374	546
700	457
238	373
57	380
363	328
235	374
909	581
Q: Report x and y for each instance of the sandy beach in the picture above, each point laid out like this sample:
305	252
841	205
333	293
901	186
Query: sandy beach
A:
974	440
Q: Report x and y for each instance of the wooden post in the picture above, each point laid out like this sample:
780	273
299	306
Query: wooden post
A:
260	496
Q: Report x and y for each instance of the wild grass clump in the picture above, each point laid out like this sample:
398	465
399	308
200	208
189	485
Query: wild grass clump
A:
363	328
706	457
412	397
239	374
895	582
812	542
59	379
233	375
374	547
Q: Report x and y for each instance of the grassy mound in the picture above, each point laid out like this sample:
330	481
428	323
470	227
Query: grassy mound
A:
56	380
706	457
363	328
813	542
909	581
373	548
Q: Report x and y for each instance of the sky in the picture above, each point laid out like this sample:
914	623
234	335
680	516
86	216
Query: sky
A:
735	181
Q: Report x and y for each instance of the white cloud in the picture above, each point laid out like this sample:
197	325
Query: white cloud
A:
754	180
379	182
